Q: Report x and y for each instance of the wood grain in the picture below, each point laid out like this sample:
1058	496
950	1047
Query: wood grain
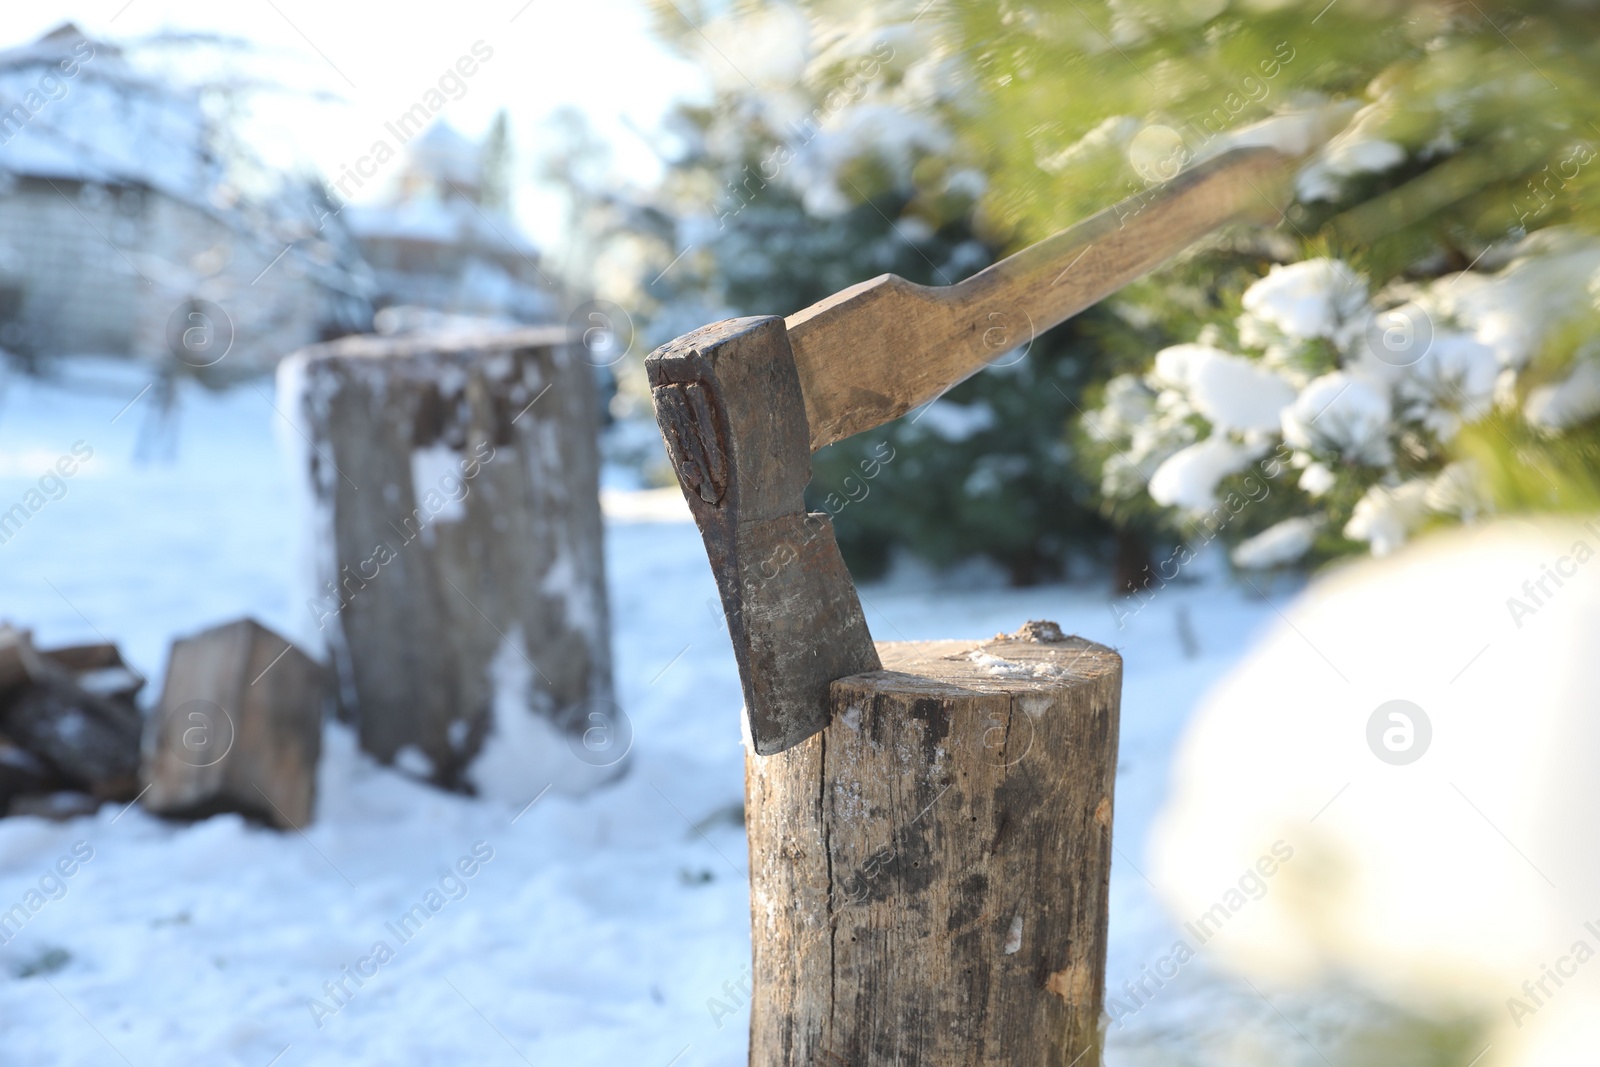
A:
238	728
929	873
874	351
419	600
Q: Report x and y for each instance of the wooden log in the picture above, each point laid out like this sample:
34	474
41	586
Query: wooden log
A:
16	657
463	592
22	773
91	741
70	713
238	728
929	875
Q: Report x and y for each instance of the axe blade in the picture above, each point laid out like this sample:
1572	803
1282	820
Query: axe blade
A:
728	401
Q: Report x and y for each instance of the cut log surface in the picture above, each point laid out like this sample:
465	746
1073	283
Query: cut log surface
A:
238	728
929	874
457	479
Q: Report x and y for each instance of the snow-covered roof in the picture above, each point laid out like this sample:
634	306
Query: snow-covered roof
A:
448	221
447	155
79	111
87	115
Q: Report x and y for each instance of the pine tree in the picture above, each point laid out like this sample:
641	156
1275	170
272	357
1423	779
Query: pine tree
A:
903	133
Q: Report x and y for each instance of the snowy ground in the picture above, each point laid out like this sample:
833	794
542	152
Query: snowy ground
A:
599	928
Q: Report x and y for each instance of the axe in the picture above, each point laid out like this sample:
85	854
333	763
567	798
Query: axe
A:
743	403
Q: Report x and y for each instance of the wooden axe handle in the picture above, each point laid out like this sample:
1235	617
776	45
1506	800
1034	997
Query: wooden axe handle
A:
874	351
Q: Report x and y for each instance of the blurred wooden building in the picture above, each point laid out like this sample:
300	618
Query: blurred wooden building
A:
120	223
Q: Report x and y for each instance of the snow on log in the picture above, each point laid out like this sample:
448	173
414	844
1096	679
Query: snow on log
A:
238	728
460	586
930	873
58	727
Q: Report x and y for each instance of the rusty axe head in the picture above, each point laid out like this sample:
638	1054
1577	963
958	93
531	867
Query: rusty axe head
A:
729	405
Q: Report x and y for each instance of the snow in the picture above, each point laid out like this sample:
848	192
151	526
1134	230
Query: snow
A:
1312	298
1280	544
1569	401
1296	131
1357	149
1317	479
1456	367
1232	392
437	484
1111	137
105	123
1344	414
602	926
1188	478
524	754
1539	292
1386	516
449	221
1447	882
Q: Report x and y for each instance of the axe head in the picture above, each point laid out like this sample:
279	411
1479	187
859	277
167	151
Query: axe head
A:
729	404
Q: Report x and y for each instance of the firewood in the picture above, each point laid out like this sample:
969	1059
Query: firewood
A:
21	772
238	728
91	741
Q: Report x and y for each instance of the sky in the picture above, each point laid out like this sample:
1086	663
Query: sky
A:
595	55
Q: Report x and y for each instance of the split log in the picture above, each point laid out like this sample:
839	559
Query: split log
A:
238	728
91	741
22	773
463	584
68	718
16	655
929	875
97	668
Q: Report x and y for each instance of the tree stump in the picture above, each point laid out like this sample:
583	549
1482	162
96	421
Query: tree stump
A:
463	586
929	874
238	728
